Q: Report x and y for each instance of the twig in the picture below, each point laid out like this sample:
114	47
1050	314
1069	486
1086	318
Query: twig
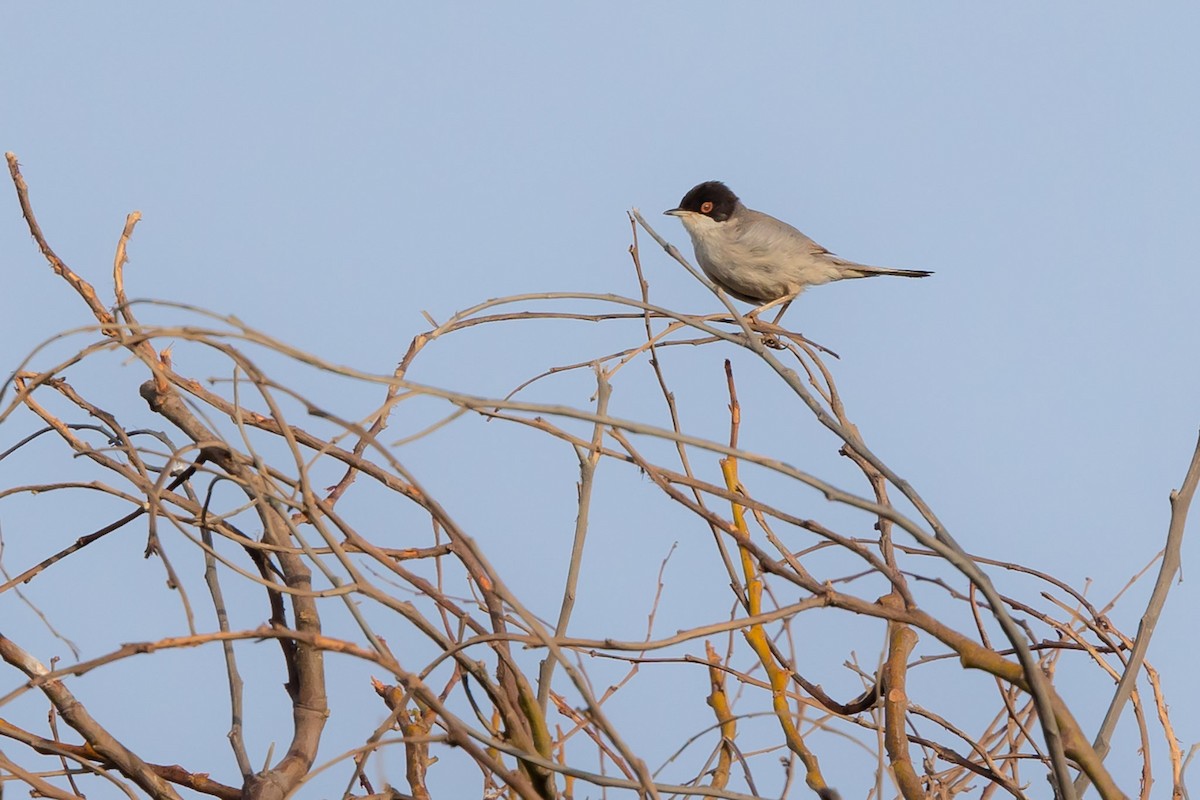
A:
1181	501
588	459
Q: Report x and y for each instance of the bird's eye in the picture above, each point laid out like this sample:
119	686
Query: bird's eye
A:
706	207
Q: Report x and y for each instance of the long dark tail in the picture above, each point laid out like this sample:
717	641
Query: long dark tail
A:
863	271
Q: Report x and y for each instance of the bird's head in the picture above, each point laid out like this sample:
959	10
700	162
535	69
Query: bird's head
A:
711	199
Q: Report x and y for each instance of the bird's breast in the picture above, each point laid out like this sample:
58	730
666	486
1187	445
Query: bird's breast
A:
747	274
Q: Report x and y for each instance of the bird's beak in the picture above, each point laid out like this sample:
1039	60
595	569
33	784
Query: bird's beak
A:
675	212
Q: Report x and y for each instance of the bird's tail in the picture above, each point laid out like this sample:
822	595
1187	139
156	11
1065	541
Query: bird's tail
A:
863	271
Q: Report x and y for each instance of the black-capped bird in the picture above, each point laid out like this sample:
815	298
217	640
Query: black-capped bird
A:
757	258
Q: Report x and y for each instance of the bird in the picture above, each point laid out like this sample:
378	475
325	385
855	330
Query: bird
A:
757	258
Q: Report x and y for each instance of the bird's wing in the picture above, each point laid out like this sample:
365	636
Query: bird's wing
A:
777	237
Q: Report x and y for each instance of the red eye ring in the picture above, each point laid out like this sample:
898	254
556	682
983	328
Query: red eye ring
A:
706	207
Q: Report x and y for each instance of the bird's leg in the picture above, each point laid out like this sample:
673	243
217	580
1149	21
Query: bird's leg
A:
785	300
783	310
769	339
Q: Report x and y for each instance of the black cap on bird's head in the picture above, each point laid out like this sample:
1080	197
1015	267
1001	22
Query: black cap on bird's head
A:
713	199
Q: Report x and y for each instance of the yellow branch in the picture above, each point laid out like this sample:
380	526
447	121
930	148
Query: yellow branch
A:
719	701
757	638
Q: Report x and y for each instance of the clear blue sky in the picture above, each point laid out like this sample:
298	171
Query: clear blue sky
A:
327	174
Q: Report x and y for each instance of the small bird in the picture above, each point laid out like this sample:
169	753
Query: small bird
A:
757	258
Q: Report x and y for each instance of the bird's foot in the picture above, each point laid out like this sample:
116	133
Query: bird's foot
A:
770	332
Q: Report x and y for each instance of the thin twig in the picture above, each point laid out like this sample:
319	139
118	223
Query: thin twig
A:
1181	501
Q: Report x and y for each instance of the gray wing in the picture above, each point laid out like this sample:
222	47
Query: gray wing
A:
764	235
775	242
